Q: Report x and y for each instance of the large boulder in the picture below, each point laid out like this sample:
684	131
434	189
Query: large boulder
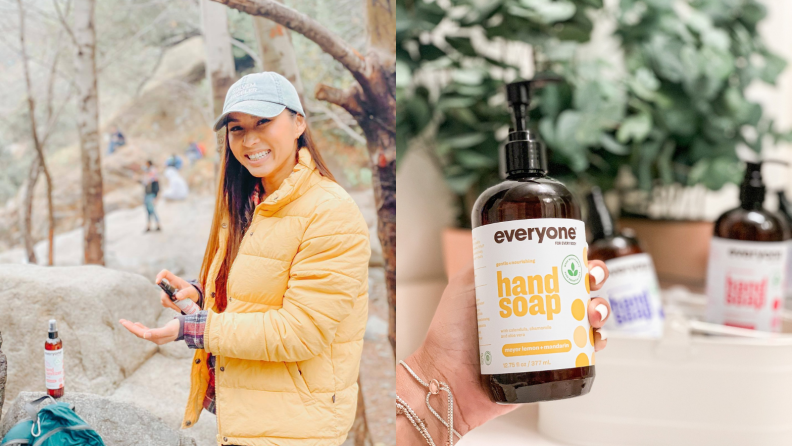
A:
3	370
119	424
87	302
162	386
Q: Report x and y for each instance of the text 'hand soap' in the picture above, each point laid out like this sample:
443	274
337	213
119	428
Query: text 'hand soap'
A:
531	268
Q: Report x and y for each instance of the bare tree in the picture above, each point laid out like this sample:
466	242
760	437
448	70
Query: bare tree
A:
220	71
371	101
277	51
38	144
84	35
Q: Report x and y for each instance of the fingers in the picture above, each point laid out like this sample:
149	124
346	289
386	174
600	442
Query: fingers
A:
155	335
174	280
598	311
136	328
598	274
600	339
166	302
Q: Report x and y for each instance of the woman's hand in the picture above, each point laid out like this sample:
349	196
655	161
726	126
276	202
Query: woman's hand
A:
159	336
186	290
450	354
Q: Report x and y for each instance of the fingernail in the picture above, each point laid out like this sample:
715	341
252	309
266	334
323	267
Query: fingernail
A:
603	334
598	274
602	309
146	335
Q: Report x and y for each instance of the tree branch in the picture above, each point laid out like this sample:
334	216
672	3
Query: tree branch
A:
345	99
339	122
250	52
62	19
332	44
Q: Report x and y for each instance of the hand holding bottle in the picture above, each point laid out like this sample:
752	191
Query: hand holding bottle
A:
186	290
450	354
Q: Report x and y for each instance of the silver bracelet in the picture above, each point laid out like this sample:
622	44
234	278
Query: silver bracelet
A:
434	387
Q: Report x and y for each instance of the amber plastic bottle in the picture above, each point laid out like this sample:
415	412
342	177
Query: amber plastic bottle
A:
53	348
606	242
528	193
747	262
751	221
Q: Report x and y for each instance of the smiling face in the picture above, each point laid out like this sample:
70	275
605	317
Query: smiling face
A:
267	147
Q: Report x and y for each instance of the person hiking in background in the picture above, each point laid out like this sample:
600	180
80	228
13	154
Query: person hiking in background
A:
283	285
177	188
174	161
151	184
194	152
116	140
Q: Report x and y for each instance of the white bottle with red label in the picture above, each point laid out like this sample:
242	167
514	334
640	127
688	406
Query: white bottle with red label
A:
746	274
53	362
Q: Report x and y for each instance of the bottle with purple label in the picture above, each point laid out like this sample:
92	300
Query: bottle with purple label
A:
632	287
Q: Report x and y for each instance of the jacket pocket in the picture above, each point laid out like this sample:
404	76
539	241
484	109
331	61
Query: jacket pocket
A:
299	384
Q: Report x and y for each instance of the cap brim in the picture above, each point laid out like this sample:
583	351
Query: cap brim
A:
262	109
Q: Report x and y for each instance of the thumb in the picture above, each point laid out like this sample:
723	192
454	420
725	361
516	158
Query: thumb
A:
147	334
181	294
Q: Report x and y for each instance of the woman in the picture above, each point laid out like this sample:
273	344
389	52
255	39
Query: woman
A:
283	285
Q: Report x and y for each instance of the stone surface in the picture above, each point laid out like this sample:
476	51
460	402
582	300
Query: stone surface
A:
118	423
87	302
161	386
3	370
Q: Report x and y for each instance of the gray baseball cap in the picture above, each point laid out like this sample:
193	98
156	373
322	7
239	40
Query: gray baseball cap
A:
264	94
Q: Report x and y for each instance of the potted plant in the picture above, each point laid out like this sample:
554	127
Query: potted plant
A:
670	120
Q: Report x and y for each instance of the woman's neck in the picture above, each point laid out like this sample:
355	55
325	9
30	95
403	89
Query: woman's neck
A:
273	181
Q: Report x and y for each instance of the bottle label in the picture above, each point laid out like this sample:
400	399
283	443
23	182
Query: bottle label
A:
532	295
634	296
788	275
53	366
745	283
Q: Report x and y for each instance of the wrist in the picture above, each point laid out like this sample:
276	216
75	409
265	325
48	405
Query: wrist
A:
423	362
414	394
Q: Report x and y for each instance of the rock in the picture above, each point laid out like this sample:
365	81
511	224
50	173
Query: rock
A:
87	302
162	386
3	369
119	424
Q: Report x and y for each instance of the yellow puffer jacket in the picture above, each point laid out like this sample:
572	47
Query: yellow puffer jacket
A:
288	344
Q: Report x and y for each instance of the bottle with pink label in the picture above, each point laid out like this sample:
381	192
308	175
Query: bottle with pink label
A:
746	274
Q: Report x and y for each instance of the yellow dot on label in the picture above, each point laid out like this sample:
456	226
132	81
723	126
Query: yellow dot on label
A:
592	359
580	337
585	257
591	336
588	284
578	309
582	360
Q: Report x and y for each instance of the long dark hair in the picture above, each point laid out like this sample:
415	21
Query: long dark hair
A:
233	199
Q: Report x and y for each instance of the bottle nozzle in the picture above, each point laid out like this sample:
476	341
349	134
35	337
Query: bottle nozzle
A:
53	329
524	152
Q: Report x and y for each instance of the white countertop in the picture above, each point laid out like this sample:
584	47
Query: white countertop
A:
518	428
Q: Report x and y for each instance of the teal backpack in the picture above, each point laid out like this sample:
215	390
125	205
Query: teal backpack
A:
55	424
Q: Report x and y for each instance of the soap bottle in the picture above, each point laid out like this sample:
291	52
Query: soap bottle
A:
632	287
531	274
785	209
747	261
53	361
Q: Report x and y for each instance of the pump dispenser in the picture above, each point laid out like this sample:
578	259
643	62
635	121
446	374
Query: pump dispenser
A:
632	288
535	342
747	263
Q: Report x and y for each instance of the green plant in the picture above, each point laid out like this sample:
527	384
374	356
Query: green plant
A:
689	65
675	114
